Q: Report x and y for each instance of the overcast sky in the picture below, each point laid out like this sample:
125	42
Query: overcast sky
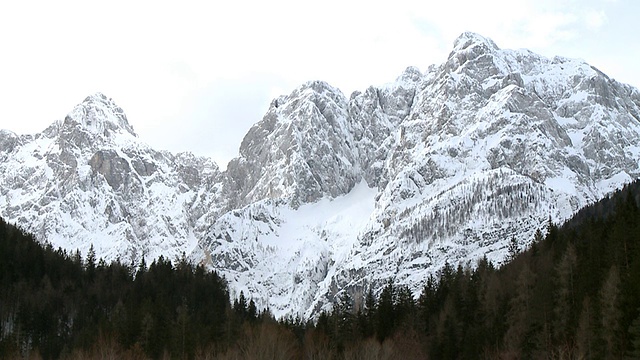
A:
195	76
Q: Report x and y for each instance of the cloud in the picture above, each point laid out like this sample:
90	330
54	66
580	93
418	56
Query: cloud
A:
595	19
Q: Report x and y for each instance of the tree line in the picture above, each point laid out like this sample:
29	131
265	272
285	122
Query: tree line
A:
574	294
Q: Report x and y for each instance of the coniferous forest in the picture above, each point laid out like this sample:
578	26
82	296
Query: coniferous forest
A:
574	294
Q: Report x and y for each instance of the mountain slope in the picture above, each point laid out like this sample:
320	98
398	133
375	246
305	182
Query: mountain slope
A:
333	193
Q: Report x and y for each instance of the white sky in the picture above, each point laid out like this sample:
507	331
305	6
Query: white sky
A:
195	75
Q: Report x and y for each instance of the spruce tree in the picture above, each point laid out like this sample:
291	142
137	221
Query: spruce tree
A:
564	294
584	337
611	314
634	338
385	323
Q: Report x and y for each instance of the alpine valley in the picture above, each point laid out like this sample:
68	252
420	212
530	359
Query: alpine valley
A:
332	193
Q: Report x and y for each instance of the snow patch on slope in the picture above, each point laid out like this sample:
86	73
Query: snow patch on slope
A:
293	250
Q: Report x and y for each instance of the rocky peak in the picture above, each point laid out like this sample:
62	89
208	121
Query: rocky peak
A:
99	115
8	140
298	148
473	55
317	86
410	75
469	41
315	96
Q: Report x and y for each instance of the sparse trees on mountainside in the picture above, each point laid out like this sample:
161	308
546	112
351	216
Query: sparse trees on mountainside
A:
486	199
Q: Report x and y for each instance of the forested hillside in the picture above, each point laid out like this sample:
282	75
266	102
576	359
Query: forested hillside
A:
55	305
575	294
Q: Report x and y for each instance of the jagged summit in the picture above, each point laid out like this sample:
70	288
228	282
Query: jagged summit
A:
99	115
468	40
411	74
318	86
476	56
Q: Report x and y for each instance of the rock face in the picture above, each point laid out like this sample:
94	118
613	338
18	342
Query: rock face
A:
302	150
334	194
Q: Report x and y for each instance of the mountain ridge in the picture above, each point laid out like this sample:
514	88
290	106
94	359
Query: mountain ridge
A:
448	166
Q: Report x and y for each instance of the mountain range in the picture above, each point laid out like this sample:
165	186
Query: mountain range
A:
332	193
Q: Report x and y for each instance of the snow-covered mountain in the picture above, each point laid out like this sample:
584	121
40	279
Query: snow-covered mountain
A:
331	193
88	180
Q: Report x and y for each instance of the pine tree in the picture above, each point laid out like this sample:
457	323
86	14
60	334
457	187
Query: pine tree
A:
182	322
343	314
519	307
405	306
240	306
611	313
634	338
252	311
366	317
385	324
584	334
513	248
90	263
77	258
538	237
141	271
564	296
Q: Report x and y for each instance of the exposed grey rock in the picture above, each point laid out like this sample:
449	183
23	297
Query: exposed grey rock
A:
8	142
114	168
301	150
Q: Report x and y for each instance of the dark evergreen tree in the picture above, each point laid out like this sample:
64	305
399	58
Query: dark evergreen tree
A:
611	314
385	319
634	338
252	310
513	248
564	293
584	337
